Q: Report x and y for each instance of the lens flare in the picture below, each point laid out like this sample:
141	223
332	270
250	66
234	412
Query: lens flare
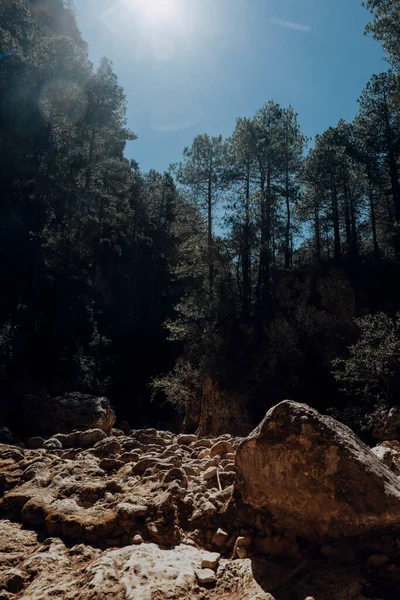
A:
155	11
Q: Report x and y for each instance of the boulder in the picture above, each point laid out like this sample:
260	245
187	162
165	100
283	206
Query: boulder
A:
311	475
46	416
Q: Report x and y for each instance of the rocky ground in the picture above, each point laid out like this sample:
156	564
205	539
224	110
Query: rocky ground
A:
149	515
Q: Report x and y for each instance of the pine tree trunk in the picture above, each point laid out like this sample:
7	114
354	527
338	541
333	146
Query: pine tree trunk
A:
246	261
377	252
317	234
288	216
210	233
336	226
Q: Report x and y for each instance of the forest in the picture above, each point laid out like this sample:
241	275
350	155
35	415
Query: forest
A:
261	267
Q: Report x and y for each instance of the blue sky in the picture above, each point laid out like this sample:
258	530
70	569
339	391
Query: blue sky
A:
194	66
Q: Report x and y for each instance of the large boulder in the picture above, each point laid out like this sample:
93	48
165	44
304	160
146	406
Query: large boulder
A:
311	475
47	416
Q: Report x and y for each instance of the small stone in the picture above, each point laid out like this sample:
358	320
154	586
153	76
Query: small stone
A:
128	457
117	432
210	560
111	464
64	439
105	448
242	543
220	537
185	439
210	473
176	474
52	444
152	529
221	448
205	576
204	453
90	437
137	539
208	508
202	443
378	560
148	462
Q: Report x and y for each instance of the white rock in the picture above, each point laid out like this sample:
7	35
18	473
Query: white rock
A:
210	560
205	576
137	539
210	473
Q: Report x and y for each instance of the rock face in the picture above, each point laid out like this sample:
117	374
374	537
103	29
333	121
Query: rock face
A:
312	476
47	416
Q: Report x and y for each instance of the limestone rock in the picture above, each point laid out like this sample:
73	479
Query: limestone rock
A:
220	537
185	439
105	448
87	439
311	474
223	447
137	539
210	473
210	560
176	474
111	464
242	545
205	576
45	415
52	444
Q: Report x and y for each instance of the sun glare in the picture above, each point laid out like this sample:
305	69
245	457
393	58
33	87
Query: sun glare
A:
156	11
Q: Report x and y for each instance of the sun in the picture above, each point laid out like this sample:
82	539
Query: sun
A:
155	11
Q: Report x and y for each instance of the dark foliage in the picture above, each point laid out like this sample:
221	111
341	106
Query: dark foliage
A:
113	279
